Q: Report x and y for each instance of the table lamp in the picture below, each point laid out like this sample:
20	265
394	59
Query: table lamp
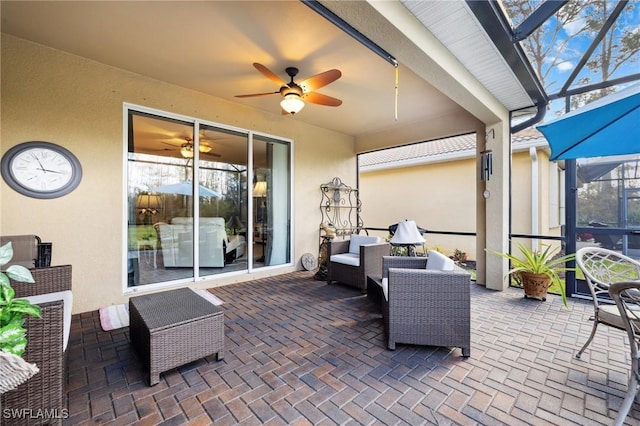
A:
407	234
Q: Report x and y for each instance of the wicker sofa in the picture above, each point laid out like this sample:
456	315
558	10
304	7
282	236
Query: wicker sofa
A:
352	260
44	392
426	307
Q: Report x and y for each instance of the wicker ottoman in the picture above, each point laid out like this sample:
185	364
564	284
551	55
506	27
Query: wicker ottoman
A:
173	328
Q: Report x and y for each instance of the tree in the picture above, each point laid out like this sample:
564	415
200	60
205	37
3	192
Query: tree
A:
546	47
620	46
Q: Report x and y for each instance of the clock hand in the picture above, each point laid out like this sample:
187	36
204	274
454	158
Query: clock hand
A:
38	160
50	171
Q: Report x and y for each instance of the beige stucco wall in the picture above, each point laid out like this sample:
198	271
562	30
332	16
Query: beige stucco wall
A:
57	97
441	197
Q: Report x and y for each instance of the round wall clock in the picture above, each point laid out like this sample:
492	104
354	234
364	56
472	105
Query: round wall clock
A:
41	169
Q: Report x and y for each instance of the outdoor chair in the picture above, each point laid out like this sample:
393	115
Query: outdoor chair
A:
352	260
627	298
601	268
47	339
426	301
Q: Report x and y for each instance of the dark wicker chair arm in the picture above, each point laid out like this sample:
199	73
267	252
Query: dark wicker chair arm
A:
47	280
338	247
371	258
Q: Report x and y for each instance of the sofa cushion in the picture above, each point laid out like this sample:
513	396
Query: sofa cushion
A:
346	259
357	240
385	288
437	261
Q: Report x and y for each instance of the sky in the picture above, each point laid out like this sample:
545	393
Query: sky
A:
570	44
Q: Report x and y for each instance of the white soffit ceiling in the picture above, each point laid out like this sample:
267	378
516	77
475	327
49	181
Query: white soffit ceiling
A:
471	45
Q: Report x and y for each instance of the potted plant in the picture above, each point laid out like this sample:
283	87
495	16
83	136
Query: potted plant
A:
537	270
13	335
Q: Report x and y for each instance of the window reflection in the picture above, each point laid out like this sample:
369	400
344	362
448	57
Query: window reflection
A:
165	157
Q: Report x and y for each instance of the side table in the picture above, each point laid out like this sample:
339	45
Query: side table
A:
173	328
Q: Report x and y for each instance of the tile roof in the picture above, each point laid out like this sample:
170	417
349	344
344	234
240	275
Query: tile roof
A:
439	150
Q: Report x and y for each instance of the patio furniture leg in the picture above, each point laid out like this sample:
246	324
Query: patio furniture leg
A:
593	333
154	378
632	393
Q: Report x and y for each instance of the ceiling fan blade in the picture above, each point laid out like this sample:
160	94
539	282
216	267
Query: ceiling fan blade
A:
172	144
256	94
269	74
320	99
319	80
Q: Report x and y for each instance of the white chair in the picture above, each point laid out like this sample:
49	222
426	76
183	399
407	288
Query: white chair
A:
627	298
216	248
601	268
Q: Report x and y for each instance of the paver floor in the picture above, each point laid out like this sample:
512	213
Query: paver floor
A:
299	351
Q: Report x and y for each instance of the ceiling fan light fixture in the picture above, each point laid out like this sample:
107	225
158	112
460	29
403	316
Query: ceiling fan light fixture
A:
292	103
186	150
205	148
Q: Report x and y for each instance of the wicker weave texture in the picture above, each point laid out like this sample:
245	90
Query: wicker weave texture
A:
14	371
427	307
43	391
370	264
47	280
173	328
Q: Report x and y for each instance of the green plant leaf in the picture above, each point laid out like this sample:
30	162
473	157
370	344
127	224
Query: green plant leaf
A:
16	346
11	332
6	253
25	307
19	273
6	294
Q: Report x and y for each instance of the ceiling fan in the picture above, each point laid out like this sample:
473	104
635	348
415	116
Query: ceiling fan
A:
186	149
295	94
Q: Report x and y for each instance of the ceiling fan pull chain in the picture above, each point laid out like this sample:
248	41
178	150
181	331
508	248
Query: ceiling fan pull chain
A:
396	106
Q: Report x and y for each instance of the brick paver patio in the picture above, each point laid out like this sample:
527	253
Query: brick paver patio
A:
301	352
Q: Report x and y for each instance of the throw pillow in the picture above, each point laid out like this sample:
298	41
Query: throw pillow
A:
437	261
356	241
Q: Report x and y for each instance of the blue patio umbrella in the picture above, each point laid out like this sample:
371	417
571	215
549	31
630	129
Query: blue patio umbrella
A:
608	126
185	188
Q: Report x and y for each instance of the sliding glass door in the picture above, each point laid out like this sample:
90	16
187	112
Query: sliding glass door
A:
272	201
182	172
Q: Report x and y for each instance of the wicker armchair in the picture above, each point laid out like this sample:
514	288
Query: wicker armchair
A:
367	262
45	390
426	307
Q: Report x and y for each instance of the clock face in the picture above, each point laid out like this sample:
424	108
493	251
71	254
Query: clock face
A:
41	169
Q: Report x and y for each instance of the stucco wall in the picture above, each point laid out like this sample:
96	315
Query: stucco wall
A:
441	197
53	96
